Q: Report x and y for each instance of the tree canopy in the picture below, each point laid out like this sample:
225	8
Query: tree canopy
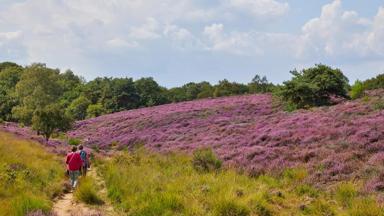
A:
315	86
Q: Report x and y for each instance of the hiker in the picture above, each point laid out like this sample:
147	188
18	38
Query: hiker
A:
84	159
74	163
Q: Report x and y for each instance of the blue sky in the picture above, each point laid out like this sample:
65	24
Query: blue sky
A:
178	41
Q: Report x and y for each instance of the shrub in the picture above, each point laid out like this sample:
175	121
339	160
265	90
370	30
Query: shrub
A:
86	192
74	141
357	90
205	160
314	86
231	208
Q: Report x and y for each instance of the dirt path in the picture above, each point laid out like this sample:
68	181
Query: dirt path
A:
68	206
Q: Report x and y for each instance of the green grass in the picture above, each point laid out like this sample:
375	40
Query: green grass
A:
87	191
29	176
146	184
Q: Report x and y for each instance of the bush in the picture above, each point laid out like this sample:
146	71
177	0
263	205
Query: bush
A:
74	141
314	86
231	208
357	90
86	192
205	160
95	110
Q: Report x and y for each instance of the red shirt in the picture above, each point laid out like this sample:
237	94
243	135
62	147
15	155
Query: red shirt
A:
74	161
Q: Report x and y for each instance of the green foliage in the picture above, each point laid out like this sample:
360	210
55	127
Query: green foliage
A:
151	94
24	90
95	110
231	208
314	86
49	119
29	176
5	65
374	83
260	85
87	192
226	88
205	160
78	108
74	141
37	88
9	77
357	90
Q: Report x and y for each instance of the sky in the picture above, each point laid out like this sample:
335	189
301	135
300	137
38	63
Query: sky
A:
181	41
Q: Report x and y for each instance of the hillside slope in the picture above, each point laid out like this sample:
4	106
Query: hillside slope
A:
335	143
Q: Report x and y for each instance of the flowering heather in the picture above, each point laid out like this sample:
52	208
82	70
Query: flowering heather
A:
53	145
249	132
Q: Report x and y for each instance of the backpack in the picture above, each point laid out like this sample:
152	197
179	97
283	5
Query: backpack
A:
83	155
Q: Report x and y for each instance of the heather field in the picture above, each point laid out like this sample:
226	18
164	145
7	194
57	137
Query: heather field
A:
254	134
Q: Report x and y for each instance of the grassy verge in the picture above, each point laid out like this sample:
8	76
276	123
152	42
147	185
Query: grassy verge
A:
29	176
143	184
87	191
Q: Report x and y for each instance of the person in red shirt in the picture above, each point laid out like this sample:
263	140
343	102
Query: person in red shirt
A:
74	164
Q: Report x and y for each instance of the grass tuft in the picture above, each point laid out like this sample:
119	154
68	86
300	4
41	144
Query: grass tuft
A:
205	160
87	192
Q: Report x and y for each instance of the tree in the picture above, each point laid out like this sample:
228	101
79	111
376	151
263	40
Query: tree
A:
260	85
37	88
71	87
357	90
4	65
226	88
374	83
120	94
314	86
49	119
9	77
95	110
151	94
78	108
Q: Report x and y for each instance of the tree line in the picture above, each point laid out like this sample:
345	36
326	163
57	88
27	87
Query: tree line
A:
36	93
50	100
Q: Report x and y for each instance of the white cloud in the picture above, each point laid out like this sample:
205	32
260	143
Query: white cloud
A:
261	8
147	31
239	43
337	32
121	43
78	33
